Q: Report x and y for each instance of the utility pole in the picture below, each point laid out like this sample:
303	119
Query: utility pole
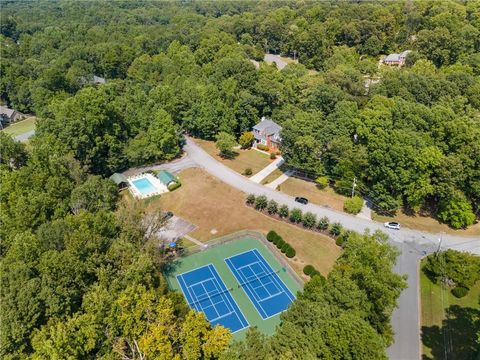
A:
354	185
440	243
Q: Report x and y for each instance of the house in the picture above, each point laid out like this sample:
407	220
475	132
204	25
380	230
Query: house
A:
97	80
8	115
167	179
267	132
120	180
397	59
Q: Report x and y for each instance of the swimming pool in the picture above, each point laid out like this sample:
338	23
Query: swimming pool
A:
144	186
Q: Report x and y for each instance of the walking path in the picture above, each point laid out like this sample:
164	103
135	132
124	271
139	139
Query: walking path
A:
267	170
192	239
281	179
366	212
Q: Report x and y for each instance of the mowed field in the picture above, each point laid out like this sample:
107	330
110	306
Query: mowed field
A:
21	127
252	159
448	324
218	209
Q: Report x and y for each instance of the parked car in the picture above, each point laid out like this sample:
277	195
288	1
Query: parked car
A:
392	225
301	200
167	215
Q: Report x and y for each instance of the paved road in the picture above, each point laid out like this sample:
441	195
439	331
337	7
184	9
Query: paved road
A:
411	243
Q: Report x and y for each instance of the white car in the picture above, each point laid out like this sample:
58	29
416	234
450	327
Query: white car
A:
392	225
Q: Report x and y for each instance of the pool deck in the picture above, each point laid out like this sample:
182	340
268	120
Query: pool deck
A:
159	186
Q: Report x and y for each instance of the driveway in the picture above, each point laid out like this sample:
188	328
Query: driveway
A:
411	243
174	167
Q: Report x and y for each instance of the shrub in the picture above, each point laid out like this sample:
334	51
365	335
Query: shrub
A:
336	229
323	223
280	242
343	186
322	182
261	202
246	139
285	247
248	172
309	220
262	147
343	238
283	211
173	186
315	272
353	205
271	235
273	156
290	253
459	292
308	269
272	207
250	199
296	215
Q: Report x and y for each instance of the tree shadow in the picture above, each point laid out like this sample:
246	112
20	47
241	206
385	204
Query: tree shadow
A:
230	155
456	338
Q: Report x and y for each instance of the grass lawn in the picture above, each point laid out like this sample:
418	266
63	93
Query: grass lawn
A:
425	223
218	209
449	325
327	197
252	159
21	127
272	176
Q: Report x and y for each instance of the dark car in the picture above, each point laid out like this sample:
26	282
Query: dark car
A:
167	215
301	200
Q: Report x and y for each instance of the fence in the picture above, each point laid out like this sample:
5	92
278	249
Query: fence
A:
242	234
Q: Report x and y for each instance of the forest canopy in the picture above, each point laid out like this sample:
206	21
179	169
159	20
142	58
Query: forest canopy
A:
78	270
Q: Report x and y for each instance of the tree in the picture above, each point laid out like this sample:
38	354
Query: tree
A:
12	153
261	202
296	215
95	194
321	182
353	205
283	211
246	140
272	207
309	220
457	212
323	223
225	144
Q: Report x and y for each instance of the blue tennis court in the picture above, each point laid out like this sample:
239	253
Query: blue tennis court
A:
265	289
206	292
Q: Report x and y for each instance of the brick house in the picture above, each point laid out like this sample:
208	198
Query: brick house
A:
267	132
397	59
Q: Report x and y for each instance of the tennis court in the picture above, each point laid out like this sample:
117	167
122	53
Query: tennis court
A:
210	285
206	292
264	288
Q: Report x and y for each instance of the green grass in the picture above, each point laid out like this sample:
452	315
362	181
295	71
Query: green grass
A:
216	256
21	127
449	325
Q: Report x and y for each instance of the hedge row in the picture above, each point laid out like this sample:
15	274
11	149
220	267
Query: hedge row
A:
295	215
310	270
281	244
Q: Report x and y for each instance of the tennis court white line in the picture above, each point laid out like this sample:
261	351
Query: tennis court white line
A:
266	276
250	298
232	307
276	278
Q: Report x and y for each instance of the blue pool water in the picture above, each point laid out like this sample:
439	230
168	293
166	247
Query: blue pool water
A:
144	186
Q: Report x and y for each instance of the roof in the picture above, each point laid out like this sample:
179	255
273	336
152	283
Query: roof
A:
268	127
405	53
7	111
98	80
393	57
118	178
165	177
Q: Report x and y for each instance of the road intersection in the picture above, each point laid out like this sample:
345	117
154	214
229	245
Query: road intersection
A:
413	245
